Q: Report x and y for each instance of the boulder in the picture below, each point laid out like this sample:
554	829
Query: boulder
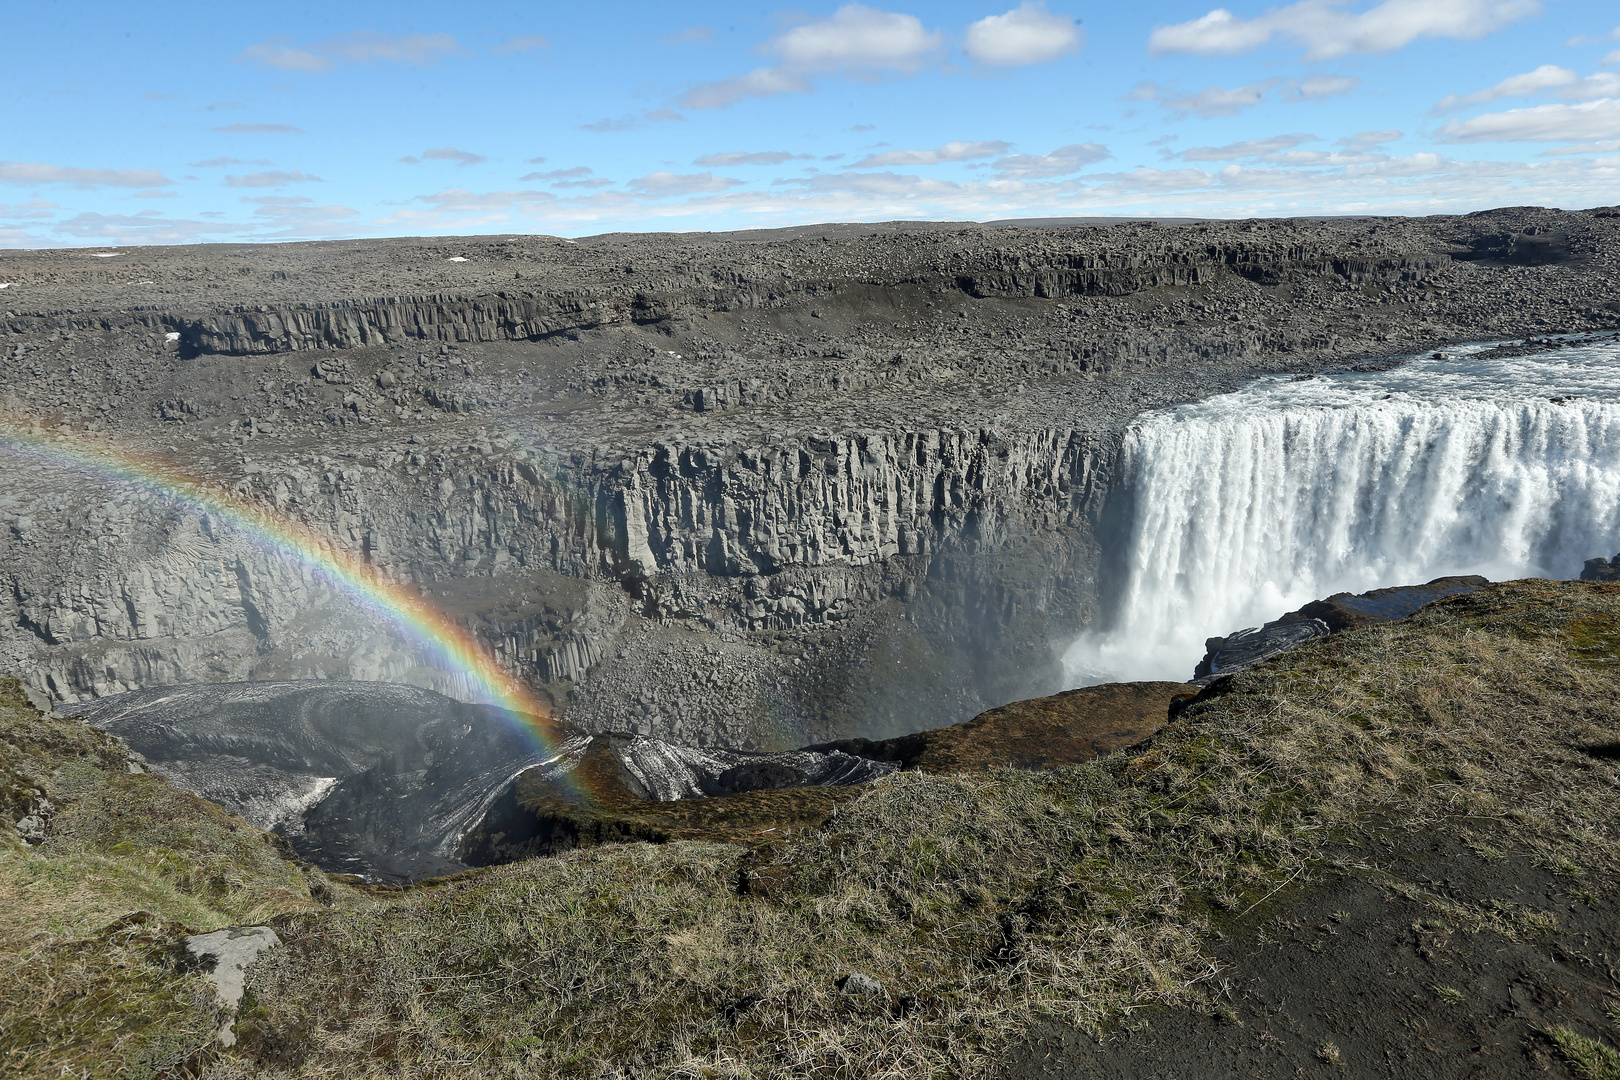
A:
1601	569
224	956
1319	618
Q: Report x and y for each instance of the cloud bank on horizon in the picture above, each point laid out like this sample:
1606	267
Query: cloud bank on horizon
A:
416	118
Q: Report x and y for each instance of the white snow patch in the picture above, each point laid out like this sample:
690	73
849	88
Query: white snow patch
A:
171	336
455	258
104	254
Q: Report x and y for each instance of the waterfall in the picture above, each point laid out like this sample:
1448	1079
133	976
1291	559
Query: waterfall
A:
1234	510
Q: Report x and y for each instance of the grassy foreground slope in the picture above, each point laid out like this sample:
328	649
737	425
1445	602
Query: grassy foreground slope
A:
981	903
125	867
973	905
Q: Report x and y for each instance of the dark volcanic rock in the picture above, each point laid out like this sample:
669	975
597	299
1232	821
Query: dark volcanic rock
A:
375	779
606	802
386	781
1601	569
1245	648
1347	611
1341	611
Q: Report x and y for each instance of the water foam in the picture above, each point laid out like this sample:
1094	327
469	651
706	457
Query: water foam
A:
1236	509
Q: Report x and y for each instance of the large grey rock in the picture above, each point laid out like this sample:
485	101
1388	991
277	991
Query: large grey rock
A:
664	771
1245	648
225	956
1341	611
1601	569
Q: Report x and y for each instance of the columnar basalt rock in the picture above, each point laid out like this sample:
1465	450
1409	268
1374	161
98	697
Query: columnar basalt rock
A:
753	489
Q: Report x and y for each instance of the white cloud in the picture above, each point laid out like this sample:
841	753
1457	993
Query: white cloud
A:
1060	162
1603	84
1601	146
1612	58
630	121
1545	77
16	238
522	43
1589	120
1247	149
32	210
458	210
692	35
297	216
1587	39
260	129
1412	186
857	38
578	177
1411	165
662	185
147	227
272	178
1325	30
1321	86
1209	102
767	157
365	48
951	151
35	172
857	41
1028	34
222	162
446	153
1215	101
287	58
1370	139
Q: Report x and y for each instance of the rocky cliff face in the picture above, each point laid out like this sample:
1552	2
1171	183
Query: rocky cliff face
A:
750	490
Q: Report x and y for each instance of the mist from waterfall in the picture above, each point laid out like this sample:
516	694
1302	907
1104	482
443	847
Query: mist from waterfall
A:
1231	511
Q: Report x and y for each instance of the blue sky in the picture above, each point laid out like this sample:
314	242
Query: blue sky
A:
191	122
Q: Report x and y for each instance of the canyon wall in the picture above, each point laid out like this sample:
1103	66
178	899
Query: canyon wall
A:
744	491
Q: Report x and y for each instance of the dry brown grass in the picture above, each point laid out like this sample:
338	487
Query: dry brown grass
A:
85	987
981	903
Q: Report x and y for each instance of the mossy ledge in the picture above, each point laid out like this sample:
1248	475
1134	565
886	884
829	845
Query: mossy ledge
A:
981	904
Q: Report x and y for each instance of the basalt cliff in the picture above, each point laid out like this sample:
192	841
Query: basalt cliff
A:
751	490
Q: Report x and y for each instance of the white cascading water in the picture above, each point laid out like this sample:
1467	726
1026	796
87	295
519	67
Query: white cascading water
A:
1248	505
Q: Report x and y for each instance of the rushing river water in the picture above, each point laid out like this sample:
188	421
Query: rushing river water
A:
1235	509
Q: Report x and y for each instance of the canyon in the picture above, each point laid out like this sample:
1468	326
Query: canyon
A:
752	490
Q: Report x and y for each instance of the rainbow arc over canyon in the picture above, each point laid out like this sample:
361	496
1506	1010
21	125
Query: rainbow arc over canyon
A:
419	621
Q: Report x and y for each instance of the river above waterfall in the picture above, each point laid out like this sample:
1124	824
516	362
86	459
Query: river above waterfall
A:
1232	510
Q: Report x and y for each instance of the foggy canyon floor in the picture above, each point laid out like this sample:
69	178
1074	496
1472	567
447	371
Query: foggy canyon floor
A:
1388	852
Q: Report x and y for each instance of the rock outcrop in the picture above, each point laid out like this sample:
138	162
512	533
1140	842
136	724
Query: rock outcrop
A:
1601	569
1319	618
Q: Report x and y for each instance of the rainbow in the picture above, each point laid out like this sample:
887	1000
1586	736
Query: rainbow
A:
456	649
